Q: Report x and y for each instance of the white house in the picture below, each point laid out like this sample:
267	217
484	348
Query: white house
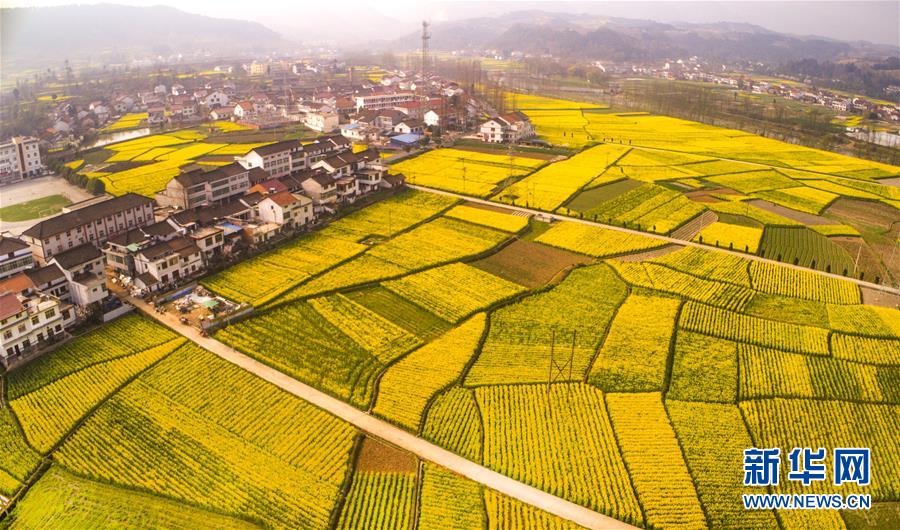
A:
321	121
510	128
15	256
216	98
29	322
168	261
286	208
83	269
276	159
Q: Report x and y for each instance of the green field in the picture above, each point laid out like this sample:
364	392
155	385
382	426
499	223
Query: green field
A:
34	209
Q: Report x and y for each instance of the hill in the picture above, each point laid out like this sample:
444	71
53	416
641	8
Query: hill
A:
119	33
621	39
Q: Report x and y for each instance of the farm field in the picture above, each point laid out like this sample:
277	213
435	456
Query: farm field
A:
469	172
153	160
669	172
589	363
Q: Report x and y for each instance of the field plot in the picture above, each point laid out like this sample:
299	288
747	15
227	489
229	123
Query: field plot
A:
704	369
127	121
569	320
453	291
648	207
506	221
568	448
713	438
530	264
561	127
378	500
332	343
52	393
454	422
771	278
63	500
17	459
655	464
443	240
281	269
549	187
266	455
406	387
802	246
468	172
732	236
651	275
595	241
523	102
633	356
157	158
724	324
448	500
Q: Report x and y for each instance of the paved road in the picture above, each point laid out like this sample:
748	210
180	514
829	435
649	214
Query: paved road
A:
666	239
391	434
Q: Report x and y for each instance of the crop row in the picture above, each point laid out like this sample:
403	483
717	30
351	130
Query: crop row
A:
594	240
566	322
762	332
406	387
453	291
232	443
560	441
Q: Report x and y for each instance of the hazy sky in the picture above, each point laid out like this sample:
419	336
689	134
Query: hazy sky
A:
845	20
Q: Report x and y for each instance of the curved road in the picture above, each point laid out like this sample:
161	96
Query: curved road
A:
392	434
667	239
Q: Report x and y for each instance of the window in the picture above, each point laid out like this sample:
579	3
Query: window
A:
50	313
7	335
21	328
35	319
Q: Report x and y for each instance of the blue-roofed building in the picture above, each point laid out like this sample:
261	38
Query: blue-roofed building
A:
406	140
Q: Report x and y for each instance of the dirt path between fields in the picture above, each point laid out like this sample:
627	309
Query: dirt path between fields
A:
391	434
557	217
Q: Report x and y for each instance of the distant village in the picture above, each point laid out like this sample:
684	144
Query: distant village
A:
57	274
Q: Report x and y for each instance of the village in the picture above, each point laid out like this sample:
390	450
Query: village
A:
71	269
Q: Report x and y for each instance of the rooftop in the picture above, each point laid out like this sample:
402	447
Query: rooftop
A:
89	214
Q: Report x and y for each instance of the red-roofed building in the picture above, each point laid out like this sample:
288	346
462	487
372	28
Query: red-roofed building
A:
287	209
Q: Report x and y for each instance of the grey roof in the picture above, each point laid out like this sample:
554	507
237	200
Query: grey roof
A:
142	233
8	245
45	275
89	214
78	255
284	145
198	176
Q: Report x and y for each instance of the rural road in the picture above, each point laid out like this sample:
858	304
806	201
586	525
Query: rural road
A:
391	434
667	239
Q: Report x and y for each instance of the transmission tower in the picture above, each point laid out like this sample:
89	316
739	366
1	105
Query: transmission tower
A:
426	36
560	366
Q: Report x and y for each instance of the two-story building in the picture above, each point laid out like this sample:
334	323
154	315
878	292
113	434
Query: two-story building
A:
28	323
276	159
83	269
199	187
288	209
508	128
167	262
120	249
93	223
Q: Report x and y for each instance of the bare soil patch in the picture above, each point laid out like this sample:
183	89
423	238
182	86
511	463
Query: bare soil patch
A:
375	455
875	297
530	264
869	214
